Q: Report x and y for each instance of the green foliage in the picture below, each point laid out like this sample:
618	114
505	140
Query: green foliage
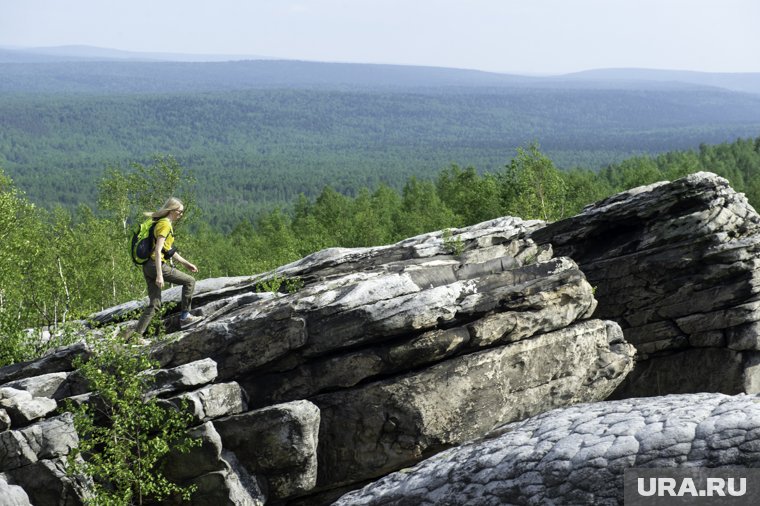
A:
15	215
422	210
59	266
124	434
473	197
453	245
256	149
276	283
124	196
533	188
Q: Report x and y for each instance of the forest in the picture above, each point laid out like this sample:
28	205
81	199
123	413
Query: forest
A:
255	149
277	159
60	265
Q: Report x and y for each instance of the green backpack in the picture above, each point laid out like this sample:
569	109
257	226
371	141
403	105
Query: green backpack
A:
143	241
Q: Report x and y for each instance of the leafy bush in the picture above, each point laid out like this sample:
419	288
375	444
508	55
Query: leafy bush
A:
124	433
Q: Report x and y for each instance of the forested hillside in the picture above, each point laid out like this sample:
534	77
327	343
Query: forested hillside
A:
275	161
251	150
256	134
60	266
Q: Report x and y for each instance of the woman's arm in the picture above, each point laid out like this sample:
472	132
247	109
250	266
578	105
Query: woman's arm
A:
188	265
159	258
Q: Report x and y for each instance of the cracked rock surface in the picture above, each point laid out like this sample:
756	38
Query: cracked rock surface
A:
676	265
381	357
577	455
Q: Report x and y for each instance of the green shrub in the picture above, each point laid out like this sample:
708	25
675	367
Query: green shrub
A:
124	434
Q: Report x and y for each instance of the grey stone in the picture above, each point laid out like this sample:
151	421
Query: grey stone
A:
48	484
182	377
23	408
531	300
676	265
212	401
356	297
372	430
278	443
12	494
45	385
47	439
578	454
57	360
219	479
220	488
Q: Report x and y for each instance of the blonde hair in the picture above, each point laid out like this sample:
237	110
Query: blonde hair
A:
170	205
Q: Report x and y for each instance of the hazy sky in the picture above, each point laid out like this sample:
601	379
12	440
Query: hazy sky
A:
528	36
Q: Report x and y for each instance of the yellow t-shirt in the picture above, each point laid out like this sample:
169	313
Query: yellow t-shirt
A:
164	229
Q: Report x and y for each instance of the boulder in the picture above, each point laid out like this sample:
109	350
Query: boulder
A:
22	408
58	360
372	430
212	401
44	385
12	494
494	309
48	484
47	439
182	377
219	479
278	443
578	454
676	265
358	297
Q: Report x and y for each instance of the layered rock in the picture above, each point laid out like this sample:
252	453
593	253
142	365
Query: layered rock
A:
413	347
676	265
381	357
32	463
386	425
578	455
377	358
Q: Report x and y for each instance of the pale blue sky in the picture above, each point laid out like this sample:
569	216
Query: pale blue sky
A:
524	36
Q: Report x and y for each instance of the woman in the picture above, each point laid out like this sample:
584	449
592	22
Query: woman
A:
157	272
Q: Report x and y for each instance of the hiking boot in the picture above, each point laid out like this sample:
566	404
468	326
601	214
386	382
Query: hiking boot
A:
189	320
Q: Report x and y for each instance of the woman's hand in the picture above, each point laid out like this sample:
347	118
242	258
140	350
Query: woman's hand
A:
189	266
160	281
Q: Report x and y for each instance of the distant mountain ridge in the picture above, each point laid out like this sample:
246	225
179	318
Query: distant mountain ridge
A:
85	69
261	132
92	53
736	81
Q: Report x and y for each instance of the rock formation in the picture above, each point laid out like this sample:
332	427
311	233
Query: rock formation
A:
350	364
382	356
578	455
676	265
